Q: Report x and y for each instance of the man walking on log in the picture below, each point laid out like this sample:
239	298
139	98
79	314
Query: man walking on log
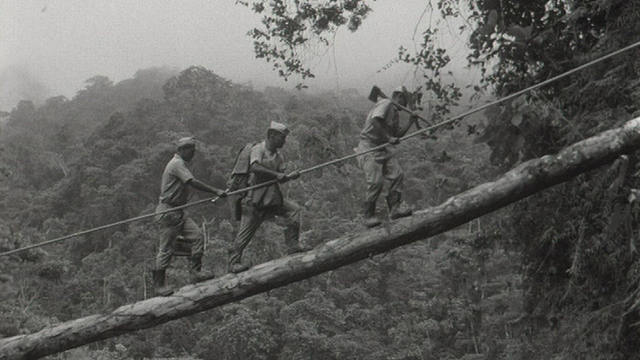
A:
266	163
383	126
176	180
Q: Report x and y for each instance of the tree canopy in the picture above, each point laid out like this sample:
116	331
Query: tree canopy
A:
588	245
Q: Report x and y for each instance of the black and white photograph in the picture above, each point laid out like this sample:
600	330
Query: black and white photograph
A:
320	179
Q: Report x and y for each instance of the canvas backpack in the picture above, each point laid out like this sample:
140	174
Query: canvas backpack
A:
239	178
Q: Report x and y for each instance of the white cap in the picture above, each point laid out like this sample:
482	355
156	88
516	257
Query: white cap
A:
400	89
279	127
186	141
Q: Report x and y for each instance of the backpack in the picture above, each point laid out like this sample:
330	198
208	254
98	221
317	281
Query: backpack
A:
240	176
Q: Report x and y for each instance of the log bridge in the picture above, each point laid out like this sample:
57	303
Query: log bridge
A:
524	180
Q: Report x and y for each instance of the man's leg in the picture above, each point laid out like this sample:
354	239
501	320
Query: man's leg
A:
372	168
290	212
251	220
394	174
191	231
170	225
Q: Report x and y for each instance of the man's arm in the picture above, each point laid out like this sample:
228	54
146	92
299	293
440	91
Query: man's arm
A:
257	168
199	185
403	130
384	129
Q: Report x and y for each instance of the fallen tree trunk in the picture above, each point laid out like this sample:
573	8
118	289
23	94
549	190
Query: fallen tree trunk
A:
526	179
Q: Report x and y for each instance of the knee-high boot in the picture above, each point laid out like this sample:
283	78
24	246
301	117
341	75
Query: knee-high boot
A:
369	212
160	288
397	208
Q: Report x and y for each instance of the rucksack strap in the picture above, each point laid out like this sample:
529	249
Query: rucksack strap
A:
243	159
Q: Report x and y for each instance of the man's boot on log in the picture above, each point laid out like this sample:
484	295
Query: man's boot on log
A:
158	283
397	207
292	240
370	219
196	274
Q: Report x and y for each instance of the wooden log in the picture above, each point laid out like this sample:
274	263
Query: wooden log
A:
524	180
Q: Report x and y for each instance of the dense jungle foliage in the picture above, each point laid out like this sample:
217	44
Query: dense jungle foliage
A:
578	241
554	276
70	165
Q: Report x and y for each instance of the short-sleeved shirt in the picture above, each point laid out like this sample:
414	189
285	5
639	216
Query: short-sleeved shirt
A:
174	190
269	195
385	110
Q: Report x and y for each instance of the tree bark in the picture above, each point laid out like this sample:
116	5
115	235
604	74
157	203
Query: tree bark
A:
524	180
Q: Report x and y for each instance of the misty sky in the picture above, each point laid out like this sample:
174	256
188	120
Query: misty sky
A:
55	45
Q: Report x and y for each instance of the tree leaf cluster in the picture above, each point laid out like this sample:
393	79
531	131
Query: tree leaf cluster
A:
290	27
578	241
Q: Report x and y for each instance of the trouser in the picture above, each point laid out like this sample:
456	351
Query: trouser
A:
379	166
252	218
173	224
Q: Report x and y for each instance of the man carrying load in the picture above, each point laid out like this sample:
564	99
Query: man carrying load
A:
382	126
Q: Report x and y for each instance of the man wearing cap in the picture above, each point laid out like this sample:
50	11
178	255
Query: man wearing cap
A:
382	126
267	164
174	191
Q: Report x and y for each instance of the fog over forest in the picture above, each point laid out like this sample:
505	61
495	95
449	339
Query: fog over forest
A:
58	45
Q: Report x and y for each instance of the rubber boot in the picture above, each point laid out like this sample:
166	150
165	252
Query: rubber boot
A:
158	283
291	240
196	274
397	208
236	268
370	219
235	263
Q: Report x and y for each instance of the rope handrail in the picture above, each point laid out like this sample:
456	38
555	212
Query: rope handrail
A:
335	161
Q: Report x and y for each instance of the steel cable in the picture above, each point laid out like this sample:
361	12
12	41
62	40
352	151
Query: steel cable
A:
335	161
